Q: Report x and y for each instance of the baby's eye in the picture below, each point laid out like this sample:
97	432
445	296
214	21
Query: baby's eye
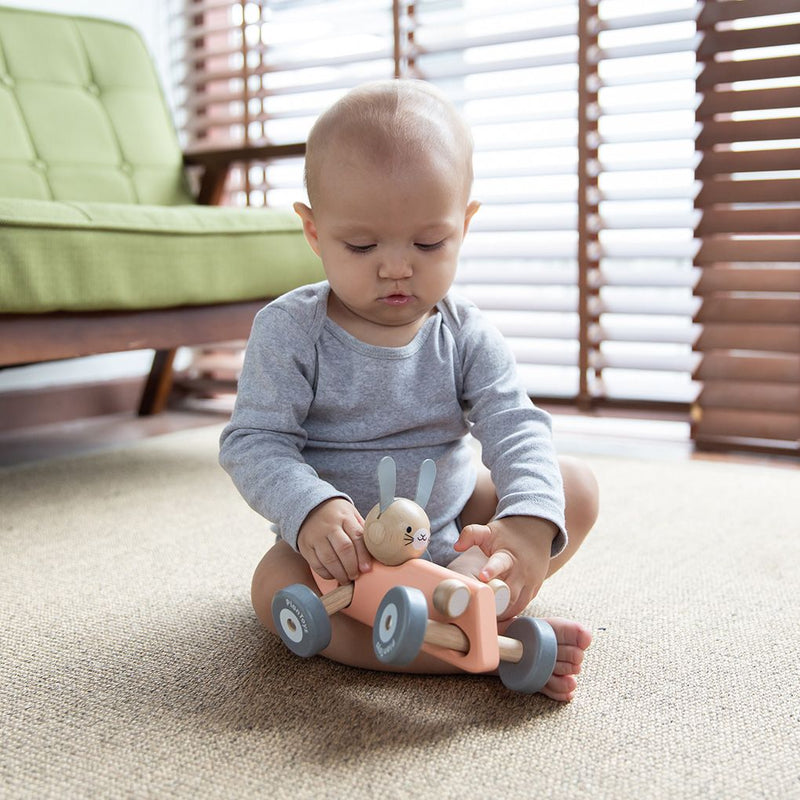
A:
359	248
428	247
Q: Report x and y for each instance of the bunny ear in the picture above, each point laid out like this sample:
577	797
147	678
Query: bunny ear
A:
387	481
427	476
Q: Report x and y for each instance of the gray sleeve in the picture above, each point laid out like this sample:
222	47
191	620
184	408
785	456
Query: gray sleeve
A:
261	448
515	435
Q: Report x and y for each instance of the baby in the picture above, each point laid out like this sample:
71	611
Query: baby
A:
383	359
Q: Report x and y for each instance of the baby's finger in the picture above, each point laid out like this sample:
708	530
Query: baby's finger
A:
331	562
362	554
344	549
480	535
317	567
498	565
355	530
517	605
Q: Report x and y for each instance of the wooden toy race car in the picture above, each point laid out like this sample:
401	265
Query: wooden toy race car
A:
415	605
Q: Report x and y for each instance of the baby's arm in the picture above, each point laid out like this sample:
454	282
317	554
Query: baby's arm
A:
262	446
518	551
331	539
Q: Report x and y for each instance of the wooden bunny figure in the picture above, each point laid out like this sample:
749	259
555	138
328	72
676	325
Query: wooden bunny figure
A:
398	529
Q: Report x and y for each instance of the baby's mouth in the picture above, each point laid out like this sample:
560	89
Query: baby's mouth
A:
396	299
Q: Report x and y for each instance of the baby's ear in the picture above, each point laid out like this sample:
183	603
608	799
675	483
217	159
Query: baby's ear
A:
306	214
472	209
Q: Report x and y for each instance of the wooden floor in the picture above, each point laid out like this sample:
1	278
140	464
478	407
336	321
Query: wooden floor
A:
573	433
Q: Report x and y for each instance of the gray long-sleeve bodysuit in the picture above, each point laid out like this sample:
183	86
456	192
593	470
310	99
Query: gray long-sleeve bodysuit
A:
317	409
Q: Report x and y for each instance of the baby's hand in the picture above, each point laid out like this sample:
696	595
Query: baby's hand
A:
518	551
331	540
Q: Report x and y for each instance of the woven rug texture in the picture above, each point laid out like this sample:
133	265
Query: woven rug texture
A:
132	665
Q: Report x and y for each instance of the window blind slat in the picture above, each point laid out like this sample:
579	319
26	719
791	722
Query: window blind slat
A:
748	425
729	72
750	307
714	12
726	249
771	397
725	190
437	43
716	132
683	44
744	335
651	361
661	17
752	220
721	41
743	279
721	163
615	329
723	101
772	368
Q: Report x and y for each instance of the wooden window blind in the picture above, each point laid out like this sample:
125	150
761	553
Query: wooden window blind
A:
587	129
262	71
638	186
749	234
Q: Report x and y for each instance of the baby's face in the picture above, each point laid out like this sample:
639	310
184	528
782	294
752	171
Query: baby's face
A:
389	240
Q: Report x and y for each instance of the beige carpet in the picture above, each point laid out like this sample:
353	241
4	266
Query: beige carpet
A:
132	666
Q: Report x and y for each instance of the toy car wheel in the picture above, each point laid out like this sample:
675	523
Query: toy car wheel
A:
539	649
301	620
400	625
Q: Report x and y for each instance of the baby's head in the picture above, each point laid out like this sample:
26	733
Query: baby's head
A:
390	125
389	175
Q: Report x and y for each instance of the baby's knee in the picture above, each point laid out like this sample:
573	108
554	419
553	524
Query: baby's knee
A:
280	567
582	494
262	590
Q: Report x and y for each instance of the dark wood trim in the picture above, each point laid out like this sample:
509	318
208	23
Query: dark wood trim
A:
216	164
49	405
33	338
159	383
226	157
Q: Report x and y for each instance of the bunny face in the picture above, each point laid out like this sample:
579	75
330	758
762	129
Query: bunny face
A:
398	534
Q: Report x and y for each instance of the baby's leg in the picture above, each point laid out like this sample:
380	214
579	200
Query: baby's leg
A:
351	642
581	492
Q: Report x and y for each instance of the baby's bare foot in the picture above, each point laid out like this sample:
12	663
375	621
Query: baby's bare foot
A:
573	639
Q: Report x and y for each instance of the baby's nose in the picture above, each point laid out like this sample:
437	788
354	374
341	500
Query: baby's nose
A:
395	267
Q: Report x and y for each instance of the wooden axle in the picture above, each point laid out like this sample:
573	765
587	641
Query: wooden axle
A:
444	634
339	598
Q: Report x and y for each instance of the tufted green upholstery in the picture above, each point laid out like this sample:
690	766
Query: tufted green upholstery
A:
95	211
82	116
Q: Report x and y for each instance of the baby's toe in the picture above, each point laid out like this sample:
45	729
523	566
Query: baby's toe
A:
560	687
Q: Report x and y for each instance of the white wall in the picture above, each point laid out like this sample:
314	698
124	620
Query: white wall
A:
150	18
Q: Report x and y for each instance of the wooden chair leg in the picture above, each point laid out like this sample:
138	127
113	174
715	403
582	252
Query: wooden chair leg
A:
159	382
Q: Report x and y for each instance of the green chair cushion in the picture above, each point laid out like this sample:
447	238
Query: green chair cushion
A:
116	256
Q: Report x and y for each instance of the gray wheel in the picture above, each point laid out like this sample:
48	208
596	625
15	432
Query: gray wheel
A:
539	650
400	624
301	620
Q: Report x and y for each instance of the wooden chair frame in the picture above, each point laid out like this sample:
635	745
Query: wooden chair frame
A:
35	338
